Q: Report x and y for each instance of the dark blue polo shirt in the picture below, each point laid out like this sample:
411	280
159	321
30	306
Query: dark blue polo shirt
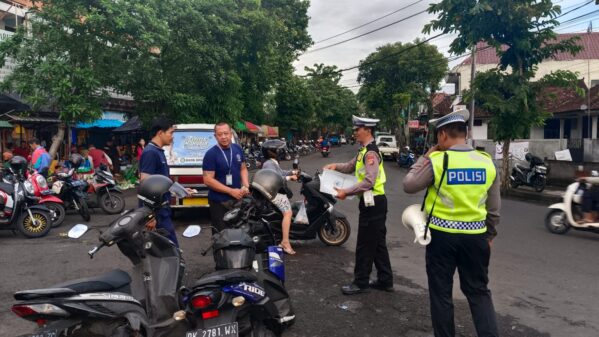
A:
214	160
153	161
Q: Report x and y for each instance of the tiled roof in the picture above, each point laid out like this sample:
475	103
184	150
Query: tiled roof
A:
590	43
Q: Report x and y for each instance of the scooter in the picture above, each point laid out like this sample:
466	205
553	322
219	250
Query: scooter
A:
72	192
565	215
324	221
246	295
324	150
104	193
406	159
146	302
46	197
19	209
535	177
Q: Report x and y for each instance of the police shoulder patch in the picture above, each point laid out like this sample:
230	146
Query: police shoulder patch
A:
370	158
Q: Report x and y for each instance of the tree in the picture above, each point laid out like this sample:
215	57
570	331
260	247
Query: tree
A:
295	105
398	77
333	104
522	33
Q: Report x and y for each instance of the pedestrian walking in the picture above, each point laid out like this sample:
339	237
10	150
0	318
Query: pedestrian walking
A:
225	174
371	246
153	161
463	202
99	157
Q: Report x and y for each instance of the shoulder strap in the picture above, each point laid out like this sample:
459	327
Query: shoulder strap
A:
372	147
428	221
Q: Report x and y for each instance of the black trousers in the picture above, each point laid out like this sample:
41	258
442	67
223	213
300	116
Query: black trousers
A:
590	199
371	246
470	254
217	212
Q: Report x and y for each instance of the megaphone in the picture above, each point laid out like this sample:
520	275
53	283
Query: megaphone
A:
414	219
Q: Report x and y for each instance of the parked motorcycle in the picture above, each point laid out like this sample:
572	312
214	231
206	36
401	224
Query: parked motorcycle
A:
72	192
19	209
406	159
534	176
46	197
146	302
246	295
565	215
104	193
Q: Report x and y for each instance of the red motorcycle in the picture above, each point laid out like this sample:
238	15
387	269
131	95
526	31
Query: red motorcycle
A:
103	192
324	150
37	185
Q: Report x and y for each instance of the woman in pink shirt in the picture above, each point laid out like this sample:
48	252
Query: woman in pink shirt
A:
140	148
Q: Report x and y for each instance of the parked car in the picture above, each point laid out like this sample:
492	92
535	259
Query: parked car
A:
388	146
334	140
343	140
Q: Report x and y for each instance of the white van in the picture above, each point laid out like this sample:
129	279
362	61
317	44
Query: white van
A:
185	158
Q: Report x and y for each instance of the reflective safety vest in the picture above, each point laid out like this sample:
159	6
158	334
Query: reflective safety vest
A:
379	183
461	205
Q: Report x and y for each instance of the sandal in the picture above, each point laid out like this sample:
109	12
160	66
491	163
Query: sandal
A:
287	250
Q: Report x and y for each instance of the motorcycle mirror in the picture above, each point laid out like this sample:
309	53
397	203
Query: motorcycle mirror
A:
77	231
191	231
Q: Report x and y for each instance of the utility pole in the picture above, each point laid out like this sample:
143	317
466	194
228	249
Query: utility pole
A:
472	77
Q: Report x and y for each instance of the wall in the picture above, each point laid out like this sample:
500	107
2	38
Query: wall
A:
480	132
537	132
543	148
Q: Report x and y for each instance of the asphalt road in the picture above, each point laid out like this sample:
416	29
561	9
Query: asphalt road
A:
543	284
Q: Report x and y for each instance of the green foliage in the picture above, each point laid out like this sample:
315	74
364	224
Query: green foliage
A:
194	60
410	70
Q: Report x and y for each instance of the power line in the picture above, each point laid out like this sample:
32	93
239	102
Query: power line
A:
369	22
581	16
367	33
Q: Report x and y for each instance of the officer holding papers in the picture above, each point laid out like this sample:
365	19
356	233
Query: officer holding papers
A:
371	247
462	203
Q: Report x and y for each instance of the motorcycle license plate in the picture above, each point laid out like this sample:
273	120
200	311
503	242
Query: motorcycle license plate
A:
49	333
225	330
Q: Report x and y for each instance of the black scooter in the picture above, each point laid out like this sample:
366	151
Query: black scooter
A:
145	303
246	295
324	221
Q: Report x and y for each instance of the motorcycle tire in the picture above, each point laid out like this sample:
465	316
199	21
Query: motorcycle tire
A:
325	154
513	182
342	229
84	209
556	222
58	212
26	226
539	184
260	330
112	203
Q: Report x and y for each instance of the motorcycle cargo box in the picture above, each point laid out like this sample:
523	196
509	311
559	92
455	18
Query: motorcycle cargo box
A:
234	249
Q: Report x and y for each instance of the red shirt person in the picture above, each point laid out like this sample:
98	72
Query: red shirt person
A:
99	157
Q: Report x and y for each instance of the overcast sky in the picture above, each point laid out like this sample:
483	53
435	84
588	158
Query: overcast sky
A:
331	17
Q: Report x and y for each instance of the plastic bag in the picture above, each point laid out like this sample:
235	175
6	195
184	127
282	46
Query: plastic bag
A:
302	215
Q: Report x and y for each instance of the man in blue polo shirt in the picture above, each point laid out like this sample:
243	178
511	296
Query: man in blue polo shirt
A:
153	161
225	174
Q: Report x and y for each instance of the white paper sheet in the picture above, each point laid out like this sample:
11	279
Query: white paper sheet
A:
330	179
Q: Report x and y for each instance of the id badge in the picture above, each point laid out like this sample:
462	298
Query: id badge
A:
229	180
368	199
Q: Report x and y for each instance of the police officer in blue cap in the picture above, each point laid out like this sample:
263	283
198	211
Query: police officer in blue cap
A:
462	202
371	247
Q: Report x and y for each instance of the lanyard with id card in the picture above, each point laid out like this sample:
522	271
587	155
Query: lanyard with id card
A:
229	177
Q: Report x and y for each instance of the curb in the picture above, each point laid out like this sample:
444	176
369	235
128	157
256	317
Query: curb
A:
530	195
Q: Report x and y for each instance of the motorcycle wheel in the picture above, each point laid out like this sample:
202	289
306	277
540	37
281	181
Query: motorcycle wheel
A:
83	209
112	203
57	212
325	154
28	226
540	184
287	156
513	182
556	222
338	235
260	330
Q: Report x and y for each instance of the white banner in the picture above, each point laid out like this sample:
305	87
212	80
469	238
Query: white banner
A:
563	155
517	150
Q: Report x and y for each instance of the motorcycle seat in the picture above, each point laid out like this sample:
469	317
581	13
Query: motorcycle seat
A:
522	167
226	276
7	188
114	280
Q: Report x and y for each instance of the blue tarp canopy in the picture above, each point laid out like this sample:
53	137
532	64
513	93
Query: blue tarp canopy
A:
101	123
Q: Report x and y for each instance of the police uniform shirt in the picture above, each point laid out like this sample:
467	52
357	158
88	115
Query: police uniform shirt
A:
372	161
421	176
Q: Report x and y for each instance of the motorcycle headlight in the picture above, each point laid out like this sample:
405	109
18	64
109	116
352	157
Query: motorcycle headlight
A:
41	182
28	187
